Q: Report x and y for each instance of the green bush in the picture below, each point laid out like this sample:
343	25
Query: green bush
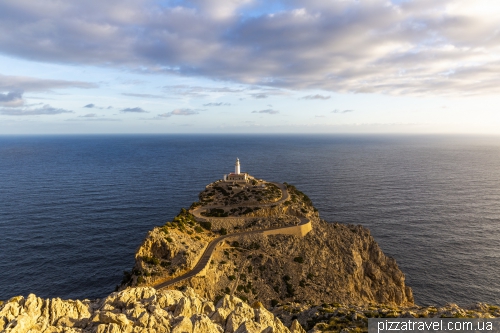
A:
227	290
223	231
151	260
198	229
140	280
231	277
249	269
274	302
170	240
206	225
300	260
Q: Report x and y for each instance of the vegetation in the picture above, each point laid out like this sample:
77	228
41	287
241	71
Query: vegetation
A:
151	260
300	260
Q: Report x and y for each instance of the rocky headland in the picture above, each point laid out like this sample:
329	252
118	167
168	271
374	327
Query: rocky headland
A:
251	257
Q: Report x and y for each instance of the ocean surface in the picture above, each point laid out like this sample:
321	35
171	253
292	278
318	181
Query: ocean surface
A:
73	209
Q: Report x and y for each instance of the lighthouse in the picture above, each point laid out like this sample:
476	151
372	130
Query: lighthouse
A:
237	166
237	176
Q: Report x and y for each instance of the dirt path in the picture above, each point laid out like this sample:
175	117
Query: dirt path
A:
207	254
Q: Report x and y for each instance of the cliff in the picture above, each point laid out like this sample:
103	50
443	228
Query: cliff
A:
147	310
135	310
321	277
331	263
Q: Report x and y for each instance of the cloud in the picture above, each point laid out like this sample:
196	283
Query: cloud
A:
217	104
387	47
133	110
259	96
199	91
45	110
143	95
179	112
29	84
320	116
340	111
268	111
89	115
316	97
89	106
11	99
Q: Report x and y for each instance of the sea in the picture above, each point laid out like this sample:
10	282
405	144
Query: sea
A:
73	209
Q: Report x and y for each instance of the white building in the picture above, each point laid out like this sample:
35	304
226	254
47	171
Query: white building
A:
237	176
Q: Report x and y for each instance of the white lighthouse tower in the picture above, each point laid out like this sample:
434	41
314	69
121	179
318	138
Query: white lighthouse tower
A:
237	176
237	166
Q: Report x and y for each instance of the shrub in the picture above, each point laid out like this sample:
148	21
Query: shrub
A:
206	225
235	244
227	290
170	240
197	237
300	260
250	269
151	260
198	229
286	278
223	231
290	290
140	280
254	246
126	278
302	283
274	302
231	277
218	298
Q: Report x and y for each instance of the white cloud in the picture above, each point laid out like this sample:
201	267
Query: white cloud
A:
45	110
268	111
415	47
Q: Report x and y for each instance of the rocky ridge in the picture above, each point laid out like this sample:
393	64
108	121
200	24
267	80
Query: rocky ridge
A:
332	263
139	310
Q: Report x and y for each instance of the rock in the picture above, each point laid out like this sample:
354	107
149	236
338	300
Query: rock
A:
238	316
247	327
202	323
113	318
296	327
183	326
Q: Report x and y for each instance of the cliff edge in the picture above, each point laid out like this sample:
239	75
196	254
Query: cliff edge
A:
331	263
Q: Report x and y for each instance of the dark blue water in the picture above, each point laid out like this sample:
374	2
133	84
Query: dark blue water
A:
73	209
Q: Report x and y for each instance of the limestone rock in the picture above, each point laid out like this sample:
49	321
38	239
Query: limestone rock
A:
136	310
296	327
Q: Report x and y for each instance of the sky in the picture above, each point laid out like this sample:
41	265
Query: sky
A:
249	66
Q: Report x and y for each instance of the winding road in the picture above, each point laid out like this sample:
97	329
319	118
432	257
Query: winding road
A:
302	228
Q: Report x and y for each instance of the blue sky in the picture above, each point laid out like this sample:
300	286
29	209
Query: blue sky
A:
249	66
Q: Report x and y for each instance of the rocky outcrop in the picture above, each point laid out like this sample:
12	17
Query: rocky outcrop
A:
137	310
331	263
342	317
